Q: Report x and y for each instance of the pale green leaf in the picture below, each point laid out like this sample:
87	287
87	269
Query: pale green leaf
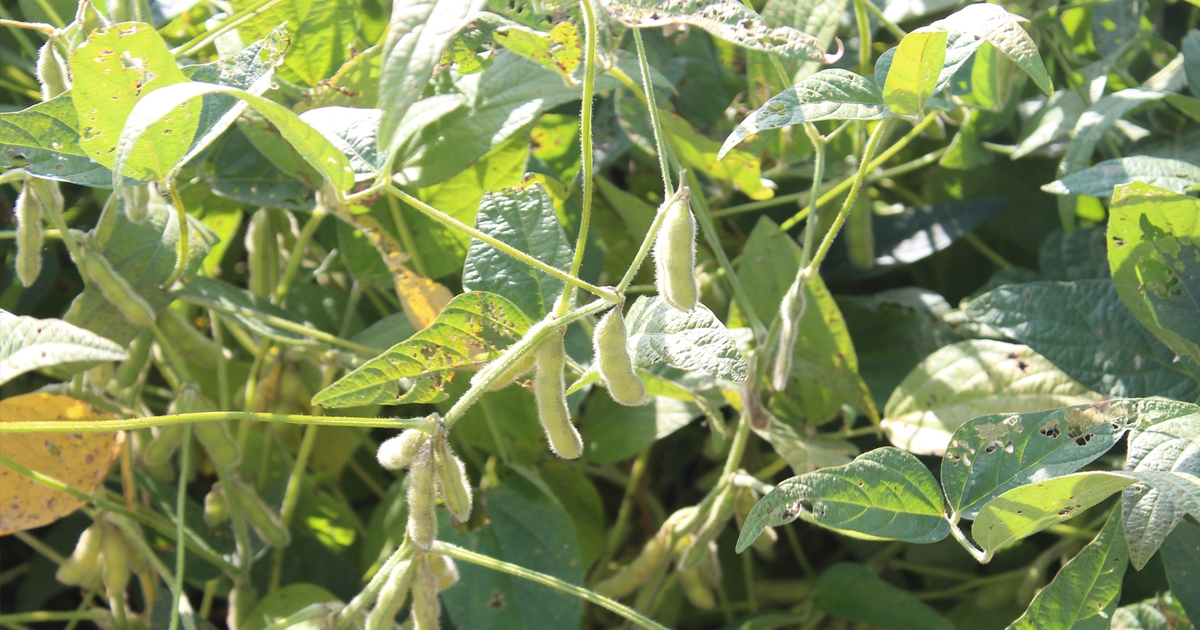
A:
284	601
851	591
969	379
247	309
1029	509
914	72
558	50
992	454
1099	180
1085	591
1140	616
27	343
321	33
1151	512
883	494
743	169
729	20
473	328
833	94
1084	329
524	218
991	23
694	341
819	18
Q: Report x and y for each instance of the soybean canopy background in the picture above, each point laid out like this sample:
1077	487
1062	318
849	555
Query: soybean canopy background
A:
560	314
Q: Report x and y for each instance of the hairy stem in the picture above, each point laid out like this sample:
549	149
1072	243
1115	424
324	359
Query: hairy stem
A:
129	424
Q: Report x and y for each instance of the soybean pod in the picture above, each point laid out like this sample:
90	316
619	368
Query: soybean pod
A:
549	386
452	479
28	213
400	451
392	596
114	287
422	497
675	254
610	340
262	518
425	607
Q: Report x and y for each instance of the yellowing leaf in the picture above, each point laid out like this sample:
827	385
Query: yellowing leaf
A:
423	299
80	460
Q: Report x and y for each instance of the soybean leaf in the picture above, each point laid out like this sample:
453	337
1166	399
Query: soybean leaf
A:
144	253
728	20
249	310
853	592
1052	122
320	32
524	218
472	329
559	49
529	528
46	137
833	94
1140	616
282	602
744	170
969	379
1078	255
238	171
1026	510
819	18
1099	180
352	131
612	433
1191	60
991	23
992	454
1181	559
1114	24
417	35
915	68
809	452
694	341
1085	591
1153	256
27	343
1084	329
883	494
1151	511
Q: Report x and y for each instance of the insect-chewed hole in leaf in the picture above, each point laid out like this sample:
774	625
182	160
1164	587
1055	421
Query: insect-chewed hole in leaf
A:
496	601
1050	429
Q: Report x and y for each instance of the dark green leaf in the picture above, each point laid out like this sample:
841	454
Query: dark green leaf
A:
613	433
1181	557
1078	255
247	309
852	592
46	137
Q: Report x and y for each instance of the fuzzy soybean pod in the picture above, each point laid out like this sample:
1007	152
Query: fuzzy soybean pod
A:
675	254
137	202
631	577
509	376
214	435
29	235
114	558
425	606
264	521
400	451
130	370
697	591
446	571
718	515
616	366
452	479
115	288
77	569
422	498
548	388
392	596
216	506
163	445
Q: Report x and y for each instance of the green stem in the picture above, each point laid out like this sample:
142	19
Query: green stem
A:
987	252
180	510
406	237
223	395
37	545
458	553
608	295
891	26
94	614
183	246
56	219
297	255
660	142
616	535
647	242
41	27
129	424
292	494
235	20
814	195
10	176
168	349
864	37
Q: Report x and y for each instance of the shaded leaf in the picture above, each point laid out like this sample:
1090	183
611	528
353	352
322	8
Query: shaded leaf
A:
883	494
612	432
1150	512
1181	558
473	328
809	452
239	172
249	310
1026	510
819	18
282	602
1099	180
695	341
853	592
740	168
27	343
1078	255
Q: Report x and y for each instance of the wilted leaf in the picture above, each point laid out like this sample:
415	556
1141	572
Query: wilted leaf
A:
695	341
27	343
79	460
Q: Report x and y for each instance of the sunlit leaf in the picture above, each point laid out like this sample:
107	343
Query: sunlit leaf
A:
695	341
27	343
914	72
1150	512
1026	510
320	33
991	23
1099	180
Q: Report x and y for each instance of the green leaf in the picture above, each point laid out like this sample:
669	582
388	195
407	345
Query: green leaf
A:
1115	24
1191	60
249	310
1181	558
1027	510
578	496
1140	616
284	601
27	343
1078	255
992	454
695	341
238	171
1052	122
743	170
352	131
472	329
1099	180
806	453
1153	252
144	253
1151	512
853	592
965	151
320	32
46	137
113	71
613	433
833	94
884	494
1057	319
914	72
524	218
819	18
417	35
991	23
529	528
558	50
969	379
728	20
1084	593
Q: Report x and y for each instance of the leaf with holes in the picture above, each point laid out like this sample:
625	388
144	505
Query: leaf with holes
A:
1099	180
46	138
969	379
695	341
320	34
884	494
473	328
27	343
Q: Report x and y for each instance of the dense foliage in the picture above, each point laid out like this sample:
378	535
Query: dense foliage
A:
553	314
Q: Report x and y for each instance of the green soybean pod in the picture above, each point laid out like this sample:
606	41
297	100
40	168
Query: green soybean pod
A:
708	531
52	72
28	213
697	591
675	254
114	558
391	597
425	606
264	520
162	447
860	237
187	339
130	370
632	576
220	445
548	388
216	506
115	288
242	598
452	479
422	499
610	340
400	451
82	561
262	248
446	571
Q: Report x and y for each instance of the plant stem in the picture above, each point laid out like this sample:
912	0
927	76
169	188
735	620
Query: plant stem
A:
235	20
180	510
891	26
660	142
37	545
40	616
437	215
988	252
458	553
406	237
128	424
864	37
297	255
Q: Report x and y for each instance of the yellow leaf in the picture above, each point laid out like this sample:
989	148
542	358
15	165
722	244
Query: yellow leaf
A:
423	299
80	460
